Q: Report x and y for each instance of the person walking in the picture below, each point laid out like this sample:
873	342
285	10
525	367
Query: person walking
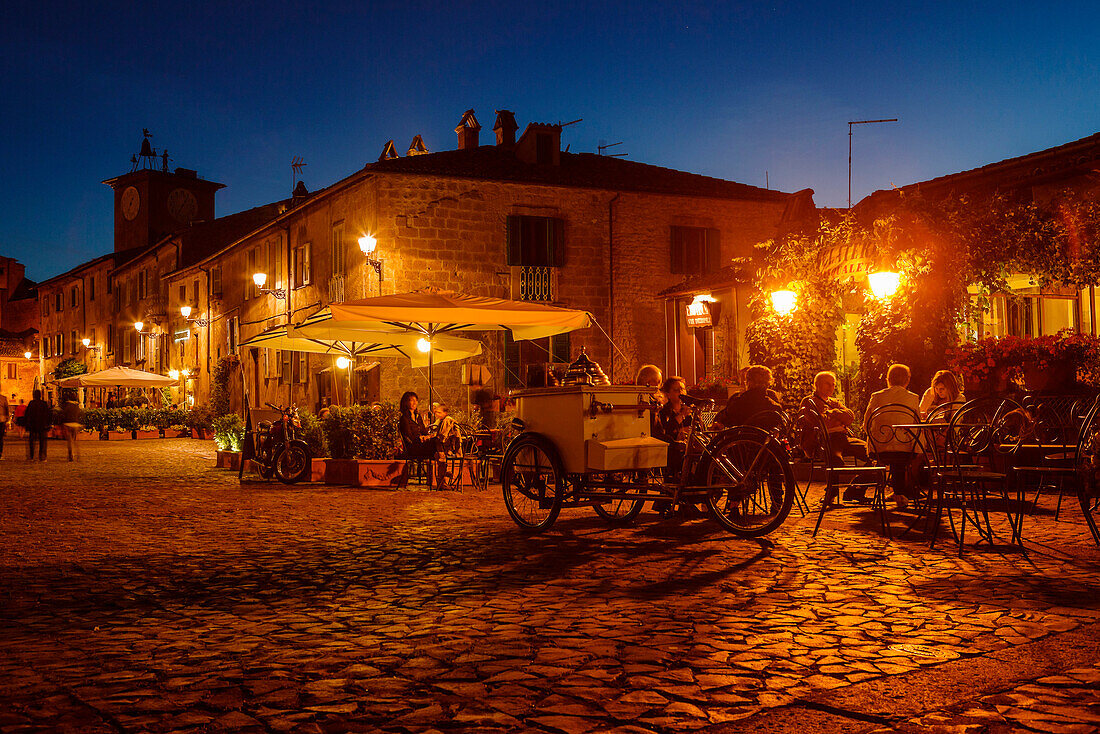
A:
71	424
37	422
5	416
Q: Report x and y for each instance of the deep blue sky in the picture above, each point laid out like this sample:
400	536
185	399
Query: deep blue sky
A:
235	90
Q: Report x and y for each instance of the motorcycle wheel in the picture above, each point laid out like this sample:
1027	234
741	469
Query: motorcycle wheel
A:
292	464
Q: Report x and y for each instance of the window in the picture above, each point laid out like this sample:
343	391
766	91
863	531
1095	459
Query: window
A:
44	347
143	283
511	362
303	274
91	288
59	349
183	293
559	348
284	367
110	285
276	257
538	241
73	342
301	367
72	297
694	250
125	338
232	333
59	297
91	337
215	282
140	351
194	292
339	249
180	338
12	372
110	338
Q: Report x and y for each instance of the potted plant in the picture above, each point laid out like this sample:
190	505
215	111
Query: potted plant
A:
229	436
200	420
314	435
363	443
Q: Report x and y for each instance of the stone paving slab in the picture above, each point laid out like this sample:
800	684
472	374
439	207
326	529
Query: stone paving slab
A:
141	590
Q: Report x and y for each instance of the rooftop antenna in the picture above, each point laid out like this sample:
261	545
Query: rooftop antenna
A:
850	123
567	124
602	147
296	166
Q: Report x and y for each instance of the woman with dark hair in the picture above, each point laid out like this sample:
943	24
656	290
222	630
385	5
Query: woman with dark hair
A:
944	389
418	440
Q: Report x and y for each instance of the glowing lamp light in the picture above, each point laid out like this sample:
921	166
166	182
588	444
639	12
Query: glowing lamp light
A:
424	345
174	374
27	355
86	342
139	325
784	302
342	362
260	279
191	400
367	243
185	373
883	284
185	311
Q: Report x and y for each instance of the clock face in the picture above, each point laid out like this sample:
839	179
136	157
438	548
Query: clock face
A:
182	205
131	202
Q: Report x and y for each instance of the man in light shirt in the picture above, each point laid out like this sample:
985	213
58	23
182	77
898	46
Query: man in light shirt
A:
894	447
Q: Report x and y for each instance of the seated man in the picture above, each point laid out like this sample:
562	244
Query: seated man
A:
755	399
894	447
837	419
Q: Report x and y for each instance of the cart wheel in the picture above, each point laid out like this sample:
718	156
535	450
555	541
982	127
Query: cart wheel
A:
620	512
533	482
752	485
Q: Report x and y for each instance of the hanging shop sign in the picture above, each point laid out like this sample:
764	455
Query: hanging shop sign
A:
702	312
847	261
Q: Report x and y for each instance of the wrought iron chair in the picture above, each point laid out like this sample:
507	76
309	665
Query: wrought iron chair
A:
895	448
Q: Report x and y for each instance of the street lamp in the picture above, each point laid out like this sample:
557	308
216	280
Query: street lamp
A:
88	344
368	243
185	311
139	325
784	301
28	355
883	284
260	279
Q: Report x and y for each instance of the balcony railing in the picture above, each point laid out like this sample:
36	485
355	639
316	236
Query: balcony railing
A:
336	288
536	283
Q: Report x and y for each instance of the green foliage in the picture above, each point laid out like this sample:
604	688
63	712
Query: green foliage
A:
69	368
228	432
362	431
313	434
199	417
219	387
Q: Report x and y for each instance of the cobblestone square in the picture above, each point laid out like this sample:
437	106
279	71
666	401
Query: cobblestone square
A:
143	590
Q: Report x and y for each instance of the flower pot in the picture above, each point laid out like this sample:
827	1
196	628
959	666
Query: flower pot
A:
359	473
228	460
87	436
146	434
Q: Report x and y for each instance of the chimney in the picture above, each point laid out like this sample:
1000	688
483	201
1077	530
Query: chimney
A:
540	144
469	131
417	147
300	192
389	152
505	127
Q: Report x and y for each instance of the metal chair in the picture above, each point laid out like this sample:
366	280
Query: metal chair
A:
895	448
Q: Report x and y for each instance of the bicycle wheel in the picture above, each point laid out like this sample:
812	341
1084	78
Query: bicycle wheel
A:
619	512
752	485
292	464
533	482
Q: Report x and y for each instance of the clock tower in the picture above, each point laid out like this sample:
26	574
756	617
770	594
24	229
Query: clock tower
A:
152	202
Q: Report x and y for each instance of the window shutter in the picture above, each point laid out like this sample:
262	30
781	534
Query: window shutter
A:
559	348
285	375
511	361
303	367
514	239
713	259
676	251
557	243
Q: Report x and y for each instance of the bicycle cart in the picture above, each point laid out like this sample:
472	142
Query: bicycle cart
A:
586	445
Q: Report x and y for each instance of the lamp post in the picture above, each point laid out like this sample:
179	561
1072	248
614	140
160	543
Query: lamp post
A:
368	243
260	279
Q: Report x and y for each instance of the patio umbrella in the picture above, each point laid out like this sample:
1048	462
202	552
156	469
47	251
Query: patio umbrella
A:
117	377
433	313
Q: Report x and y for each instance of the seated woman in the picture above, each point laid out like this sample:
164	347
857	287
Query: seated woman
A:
672	422
446	430
417	439
944	389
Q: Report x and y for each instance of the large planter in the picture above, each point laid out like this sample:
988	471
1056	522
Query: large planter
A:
228	460
359	473
87	436
317	470
146	434
1057	376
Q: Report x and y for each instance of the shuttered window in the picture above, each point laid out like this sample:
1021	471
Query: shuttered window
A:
536	241
694	250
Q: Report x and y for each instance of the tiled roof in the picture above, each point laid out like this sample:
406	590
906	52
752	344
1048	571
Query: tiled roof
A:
585	170
205	238
727	276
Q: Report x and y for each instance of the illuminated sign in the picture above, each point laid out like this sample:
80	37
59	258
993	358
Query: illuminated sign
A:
846	261
698	312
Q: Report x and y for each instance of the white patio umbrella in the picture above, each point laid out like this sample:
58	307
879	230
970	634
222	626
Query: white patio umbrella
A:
117	377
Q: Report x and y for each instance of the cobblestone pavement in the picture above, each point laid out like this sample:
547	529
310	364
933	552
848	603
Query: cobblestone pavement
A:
141	590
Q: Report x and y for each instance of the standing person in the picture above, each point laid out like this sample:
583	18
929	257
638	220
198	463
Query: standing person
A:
5	416
111	401
71	424
896	448
37	421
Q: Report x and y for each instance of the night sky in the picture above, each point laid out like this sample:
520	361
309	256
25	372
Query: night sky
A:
734	90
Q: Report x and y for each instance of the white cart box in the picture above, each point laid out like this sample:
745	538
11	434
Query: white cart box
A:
587	423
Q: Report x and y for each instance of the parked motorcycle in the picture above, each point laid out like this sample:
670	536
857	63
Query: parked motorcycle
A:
278	451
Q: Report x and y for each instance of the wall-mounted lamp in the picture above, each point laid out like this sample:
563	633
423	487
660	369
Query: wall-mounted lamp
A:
139	325
368	244
784	302
28	355
185	311
260	279
883	284
88	344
